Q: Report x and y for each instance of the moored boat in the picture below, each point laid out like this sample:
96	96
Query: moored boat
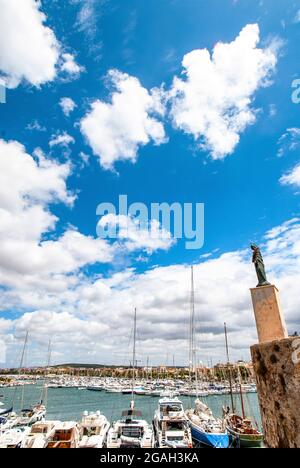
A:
39	435
206	429
131	431
13	438
93	430
243	432
171	425
66	436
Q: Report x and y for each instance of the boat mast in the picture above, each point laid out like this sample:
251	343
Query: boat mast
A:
134	356
21	365
192	353
229	368
44	396
242	398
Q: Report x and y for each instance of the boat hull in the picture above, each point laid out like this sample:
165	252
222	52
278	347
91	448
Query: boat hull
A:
213	440
246	441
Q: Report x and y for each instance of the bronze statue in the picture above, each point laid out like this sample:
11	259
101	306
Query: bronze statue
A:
259	266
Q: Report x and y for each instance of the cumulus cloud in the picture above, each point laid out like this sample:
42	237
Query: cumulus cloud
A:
297	17
24	180
70	66
61	139
27	187
161	295
292	177
213	101
67	105
135	237
289	141
29	49
115	130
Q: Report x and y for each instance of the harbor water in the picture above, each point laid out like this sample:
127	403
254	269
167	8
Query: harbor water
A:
68	404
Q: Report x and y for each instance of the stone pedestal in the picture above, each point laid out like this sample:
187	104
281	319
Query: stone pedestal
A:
269	318
277	370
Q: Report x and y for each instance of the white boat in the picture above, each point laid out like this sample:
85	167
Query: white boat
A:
30	416
139	391
39	435
13	438
95	388
167	393
131	431
171	425
7	421
93	430
66	436
113	389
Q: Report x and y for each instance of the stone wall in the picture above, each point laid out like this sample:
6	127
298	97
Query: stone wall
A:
277	370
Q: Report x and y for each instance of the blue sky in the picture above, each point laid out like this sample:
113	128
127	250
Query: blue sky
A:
243	191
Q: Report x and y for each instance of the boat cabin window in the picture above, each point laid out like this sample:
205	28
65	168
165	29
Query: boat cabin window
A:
62	435
175	426
90	431
171	408
134	432
39	430
175	438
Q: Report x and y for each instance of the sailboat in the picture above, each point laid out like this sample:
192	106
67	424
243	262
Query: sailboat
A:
36	413
131	431
240	428
206	429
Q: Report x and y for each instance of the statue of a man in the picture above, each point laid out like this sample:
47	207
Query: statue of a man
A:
259	266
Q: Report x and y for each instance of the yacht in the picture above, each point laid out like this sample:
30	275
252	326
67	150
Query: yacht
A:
30	416
93	430
65	436
13	438
39	435
171	424
131	431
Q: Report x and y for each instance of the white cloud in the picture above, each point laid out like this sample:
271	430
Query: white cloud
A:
67	105
35	125
297	17
69	66
213	101
289	141
136	237
116	130
29	49
61	139
73	305
292	177
27	187
62	325
24	181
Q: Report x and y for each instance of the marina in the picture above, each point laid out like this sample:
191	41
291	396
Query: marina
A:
77	405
